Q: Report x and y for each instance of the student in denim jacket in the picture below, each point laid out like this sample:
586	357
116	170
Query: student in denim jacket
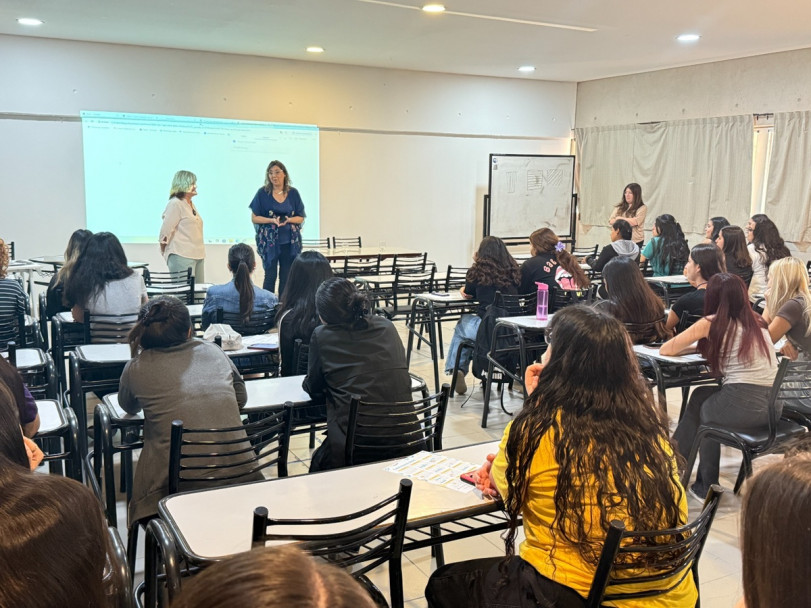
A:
239	295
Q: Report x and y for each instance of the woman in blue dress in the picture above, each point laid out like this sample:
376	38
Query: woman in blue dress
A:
277	214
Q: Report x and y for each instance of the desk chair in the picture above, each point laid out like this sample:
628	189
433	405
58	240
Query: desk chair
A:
406	285
753	443
624	551
315	243
410	263
313	417
58	437
584	252
560	298
375	541
179	284
108	328
258	323
797	393
341	241
356	267
117	579
40	377
65	337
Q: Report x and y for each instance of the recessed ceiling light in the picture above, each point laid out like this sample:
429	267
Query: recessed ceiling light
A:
29	21
688	38
434	8
527	68
315	49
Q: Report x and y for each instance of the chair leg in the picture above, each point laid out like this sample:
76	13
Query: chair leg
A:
437	550
487	388
745	471
132	546
691	461
312	436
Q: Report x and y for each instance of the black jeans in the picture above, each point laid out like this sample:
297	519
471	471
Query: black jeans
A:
281	262
479	583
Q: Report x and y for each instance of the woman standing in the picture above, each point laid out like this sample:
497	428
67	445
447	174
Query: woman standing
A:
577	456
732	241
765	246
239	295
277	213
632	209
788	307
667	250
296	317
736	344
352	353
181	235
174	377
101	281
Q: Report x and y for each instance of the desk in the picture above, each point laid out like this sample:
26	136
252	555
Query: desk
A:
26	358
672	287
58	261
223	528
351	253
682	371
58	436
37	370
430	308
27	267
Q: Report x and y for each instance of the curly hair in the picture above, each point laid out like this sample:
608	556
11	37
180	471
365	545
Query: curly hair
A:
494	265
3	259
610	440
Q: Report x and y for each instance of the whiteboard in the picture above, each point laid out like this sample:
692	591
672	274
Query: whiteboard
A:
528	192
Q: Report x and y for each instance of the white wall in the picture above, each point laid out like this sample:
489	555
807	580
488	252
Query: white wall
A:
404	155
778	82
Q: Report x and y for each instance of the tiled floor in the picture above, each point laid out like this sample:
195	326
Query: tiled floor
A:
720	567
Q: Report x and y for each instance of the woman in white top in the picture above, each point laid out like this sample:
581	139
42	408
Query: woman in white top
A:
736	344
181	236
765	246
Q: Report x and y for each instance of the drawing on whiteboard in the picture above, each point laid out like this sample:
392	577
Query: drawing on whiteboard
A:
530	192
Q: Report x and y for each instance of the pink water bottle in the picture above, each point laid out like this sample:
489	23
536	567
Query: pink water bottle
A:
542	310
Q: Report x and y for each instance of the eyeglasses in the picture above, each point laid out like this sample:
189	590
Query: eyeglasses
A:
275	173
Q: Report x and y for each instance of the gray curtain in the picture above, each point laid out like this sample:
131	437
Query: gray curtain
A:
692	169
788	190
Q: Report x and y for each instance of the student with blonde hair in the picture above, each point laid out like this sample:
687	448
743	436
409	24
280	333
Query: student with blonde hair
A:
181	234
788	306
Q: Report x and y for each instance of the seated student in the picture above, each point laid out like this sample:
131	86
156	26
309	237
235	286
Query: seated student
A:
101	282
713	229
24	402
788	307
493	269
239	295
296	317
352	353
704	261
732	241
175	377
54	297
632	301
735	342
551	264
273	577
12	301
621	245
765	246
52	535
775	536
563	466
667	251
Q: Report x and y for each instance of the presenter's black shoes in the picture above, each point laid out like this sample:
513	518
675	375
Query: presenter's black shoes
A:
461	385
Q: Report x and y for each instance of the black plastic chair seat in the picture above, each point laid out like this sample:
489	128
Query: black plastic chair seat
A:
757	438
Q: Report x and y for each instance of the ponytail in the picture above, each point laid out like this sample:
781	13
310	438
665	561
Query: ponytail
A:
571	265
241	262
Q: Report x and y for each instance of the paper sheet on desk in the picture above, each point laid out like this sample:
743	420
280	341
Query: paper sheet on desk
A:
436	469
654	352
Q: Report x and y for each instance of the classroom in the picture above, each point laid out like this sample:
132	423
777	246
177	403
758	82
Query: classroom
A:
405	138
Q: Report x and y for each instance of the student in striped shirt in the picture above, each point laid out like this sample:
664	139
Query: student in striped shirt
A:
12	301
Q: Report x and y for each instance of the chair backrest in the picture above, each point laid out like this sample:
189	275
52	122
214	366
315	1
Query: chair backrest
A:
316	243
260	322
10	249
410	263
361	266
795	387
559	297
660	288
584	252
686	321
108	329
641	558
455	278
516	305
117	580
646	269
407	284
401	429
301	357
201	457
346	241
375	539
179	284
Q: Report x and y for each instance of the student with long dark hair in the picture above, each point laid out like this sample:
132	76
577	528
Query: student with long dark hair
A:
589	446
788	307
493	269
632	301
736	344
54	299
713	228
352	353
101	281
172	376
667	251
296	317
551	264
775	536
765	246
239	295
705	261
632	209
732	241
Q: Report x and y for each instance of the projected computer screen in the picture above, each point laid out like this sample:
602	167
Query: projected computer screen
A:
130	159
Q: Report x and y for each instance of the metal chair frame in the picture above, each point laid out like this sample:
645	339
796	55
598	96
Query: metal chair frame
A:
346	241
179	284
